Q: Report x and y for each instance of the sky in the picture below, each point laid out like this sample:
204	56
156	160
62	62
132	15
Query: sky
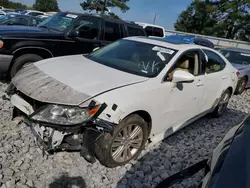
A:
166	11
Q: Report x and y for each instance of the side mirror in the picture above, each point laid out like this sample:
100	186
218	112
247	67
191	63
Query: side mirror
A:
96	49
182	76
73	34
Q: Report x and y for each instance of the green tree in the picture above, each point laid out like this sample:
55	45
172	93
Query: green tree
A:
102	5
11	5
221	18
46	5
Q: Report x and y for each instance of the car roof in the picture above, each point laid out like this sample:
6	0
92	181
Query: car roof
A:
106	17
164	43
236	50
147	24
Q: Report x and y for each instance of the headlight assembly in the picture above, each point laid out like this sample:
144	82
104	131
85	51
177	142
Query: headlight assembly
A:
65	115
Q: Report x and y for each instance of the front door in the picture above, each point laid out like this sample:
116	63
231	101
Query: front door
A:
183	101
89	29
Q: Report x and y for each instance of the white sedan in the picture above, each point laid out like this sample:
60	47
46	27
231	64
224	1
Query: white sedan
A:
110	103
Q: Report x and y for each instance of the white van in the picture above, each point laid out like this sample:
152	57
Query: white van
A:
153	30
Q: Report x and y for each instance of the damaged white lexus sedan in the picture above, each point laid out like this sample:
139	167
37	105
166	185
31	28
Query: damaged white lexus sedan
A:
109	104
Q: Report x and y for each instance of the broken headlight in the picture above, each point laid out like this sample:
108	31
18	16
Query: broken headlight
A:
65	115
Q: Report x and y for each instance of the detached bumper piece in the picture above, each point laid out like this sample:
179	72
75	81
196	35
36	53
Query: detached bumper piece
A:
82	138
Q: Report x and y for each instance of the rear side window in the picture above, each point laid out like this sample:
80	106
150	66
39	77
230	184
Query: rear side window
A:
154	31
133	31
18	21
112	31
158	32
149	31
35	13
88	27
214	62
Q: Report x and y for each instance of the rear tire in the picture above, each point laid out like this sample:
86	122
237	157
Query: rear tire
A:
126	143
21	61
242	86
221	108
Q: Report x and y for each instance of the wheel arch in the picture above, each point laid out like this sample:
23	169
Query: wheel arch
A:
43	52
230	88
146	116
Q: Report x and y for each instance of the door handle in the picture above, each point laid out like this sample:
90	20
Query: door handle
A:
224	77
199	84
96	45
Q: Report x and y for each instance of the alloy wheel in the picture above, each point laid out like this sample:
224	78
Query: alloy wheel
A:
126	143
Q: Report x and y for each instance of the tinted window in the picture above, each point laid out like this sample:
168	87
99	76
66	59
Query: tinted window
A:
88	27
158	32
35	13
34	22
112	31
154	31
237	57
133	31
215	63
149	31
139	58
17	21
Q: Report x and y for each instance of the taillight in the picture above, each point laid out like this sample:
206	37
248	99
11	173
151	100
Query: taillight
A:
238	73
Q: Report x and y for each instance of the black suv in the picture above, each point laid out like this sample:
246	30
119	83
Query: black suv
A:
63	34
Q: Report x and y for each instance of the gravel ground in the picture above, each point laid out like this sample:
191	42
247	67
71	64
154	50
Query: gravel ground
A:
22	164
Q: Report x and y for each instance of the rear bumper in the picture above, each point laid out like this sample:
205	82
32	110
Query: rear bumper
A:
5	61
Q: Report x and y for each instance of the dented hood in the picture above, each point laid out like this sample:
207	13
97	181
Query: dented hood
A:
70	80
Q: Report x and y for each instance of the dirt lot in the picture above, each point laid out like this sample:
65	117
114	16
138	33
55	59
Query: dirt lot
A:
23	165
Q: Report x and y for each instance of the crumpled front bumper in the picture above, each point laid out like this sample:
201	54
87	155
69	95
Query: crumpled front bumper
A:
52	137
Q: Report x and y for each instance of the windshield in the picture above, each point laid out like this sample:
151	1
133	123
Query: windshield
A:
134	57
59	21
236	57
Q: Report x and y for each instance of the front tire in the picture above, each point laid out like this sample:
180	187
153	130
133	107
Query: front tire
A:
126	143
21	61
221	108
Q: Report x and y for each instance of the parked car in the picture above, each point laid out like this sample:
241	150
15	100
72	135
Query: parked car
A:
189	40
109	103
19	10
240	59
2	13
43	16
17	19
153	30
228	165
62	34
8	10
32	12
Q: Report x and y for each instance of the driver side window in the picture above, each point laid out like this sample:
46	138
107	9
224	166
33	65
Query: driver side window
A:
88	28
189	61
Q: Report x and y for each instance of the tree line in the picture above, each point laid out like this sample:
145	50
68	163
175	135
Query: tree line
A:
219	18
40	5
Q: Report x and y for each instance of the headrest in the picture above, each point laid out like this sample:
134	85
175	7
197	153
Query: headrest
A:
184	64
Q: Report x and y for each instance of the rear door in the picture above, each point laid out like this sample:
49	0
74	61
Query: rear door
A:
216	77
112	31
